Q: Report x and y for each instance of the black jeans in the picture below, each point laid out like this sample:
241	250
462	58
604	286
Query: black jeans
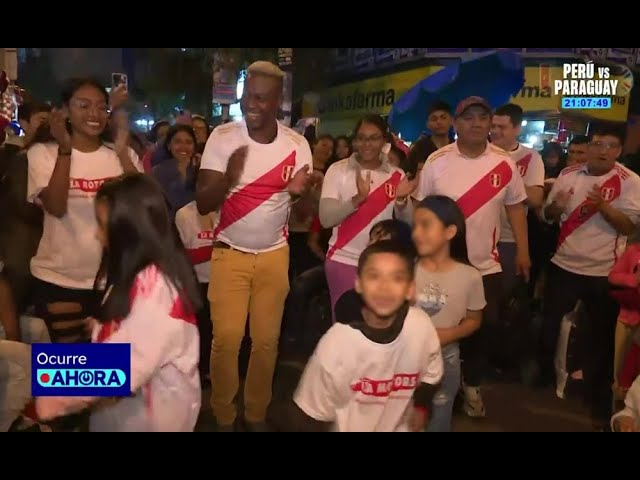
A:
64	327
596	329
478	348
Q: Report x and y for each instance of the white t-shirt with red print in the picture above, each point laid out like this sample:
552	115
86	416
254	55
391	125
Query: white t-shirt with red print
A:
254	216
363	386
481	187
588	244
69	253
531	168
351	236
196	232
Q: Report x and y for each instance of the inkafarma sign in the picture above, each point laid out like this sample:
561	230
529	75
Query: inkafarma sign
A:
374	95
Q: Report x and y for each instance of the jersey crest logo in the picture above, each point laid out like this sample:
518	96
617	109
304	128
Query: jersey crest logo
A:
496	180
390	190
522	169
585	210
608	194
287	173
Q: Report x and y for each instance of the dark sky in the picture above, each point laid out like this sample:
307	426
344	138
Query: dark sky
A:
74	62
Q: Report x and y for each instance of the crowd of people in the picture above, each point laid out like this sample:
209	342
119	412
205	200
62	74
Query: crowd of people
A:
434	263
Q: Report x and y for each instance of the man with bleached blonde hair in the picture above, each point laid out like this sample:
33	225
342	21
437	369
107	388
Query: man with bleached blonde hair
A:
251	171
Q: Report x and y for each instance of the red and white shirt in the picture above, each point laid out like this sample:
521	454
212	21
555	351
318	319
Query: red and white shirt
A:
351	236
588	244
531	168
165	351
254	216
196	232
363	386
481	186
69	253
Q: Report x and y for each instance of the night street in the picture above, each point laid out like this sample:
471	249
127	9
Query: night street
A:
510	408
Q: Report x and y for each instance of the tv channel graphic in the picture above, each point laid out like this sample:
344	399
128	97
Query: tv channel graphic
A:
79	370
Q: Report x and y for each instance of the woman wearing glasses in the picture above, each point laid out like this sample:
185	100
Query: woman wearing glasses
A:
357	193
64	176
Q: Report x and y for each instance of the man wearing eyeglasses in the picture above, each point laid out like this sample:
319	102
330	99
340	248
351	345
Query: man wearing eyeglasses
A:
597	204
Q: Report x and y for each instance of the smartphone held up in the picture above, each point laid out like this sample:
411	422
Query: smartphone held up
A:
118	79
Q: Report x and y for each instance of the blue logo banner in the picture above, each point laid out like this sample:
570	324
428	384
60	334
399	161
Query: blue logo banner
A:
78	370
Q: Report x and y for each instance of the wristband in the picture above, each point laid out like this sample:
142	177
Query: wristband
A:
64	154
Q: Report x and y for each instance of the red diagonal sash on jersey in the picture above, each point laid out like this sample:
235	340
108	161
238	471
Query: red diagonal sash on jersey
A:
523	164
241	203
373	206
610	190
487	188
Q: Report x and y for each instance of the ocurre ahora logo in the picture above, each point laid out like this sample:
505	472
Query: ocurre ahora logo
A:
107	378
97	370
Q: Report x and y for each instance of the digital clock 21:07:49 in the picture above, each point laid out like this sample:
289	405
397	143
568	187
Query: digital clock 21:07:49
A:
593	103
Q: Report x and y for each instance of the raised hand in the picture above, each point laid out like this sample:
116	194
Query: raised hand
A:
595	196
562	199
58	128
235	166
406	187
363	185
118	96
300	182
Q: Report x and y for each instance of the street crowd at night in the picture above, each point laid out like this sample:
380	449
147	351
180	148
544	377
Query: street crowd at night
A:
405	280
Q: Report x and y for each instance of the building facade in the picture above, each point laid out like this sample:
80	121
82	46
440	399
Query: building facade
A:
369	80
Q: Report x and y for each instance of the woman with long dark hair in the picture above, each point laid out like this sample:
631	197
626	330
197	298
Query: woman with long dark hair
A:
150	302
449	289
64	177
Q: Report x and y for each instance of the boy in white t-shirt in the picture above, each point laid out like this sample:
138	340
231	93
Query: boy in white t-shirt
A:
379	372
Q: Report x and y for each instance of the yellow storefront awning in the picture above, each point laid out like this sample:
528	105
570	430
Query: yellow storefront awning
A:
339	108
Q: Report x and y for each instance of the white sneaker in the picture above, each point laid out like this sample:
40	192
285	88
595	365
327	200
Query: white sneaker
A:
473	404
